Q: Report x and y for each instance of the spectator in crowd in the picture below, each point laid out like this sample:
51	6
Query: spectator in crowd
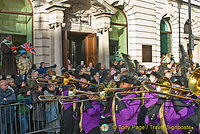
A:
39	109
31	81
12	86
96	78
69	65
43	70
120	65
24	109
24	65
90	67
7	96
172	59
115	63
51	109
163	58
9	60
80	70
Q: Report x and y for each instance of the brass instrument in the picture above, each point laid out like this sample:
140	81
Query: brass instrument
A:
72	93
64	80
101	94
105	91
163	89
194	82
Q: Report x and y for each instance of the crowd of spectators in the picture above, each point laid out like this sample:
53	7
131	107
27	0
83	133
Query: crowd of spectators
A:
24	89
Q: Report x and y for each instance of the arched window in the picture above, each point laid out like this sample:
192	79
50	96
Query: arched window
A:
118	35
16	18
165	37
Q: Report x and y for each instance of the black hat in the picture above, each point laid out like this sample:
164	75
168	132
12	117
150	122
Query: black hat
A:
177	80
71	72
130	80
79	67
157	75
86	76
63	70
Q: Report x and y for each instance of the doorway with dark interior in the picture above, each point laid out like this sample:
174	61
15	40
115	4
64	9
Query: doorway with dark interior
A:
79	48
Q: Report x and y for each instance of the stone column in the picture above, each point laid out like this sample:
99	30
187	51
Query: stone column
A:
103	27
56	16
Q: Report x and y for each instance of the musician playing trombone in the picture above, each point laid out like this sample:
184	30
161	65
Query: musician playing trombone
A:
89	111
165	113
127	111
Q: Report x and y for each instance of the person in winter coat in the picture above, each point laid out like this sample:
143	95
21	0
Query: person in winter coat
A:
43	70
24	109
24	65
7	112
9	66
38	108
51	110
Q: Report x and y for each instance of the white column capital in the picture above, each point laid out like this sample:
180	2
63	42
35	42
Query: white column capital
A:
56	15
102	21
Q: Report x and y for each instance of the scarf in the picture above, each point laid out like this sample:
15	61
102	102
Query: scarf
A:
7	42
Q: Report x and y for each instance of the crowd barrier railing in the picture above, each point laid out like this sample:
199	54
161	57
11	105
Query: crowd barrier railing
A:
23	118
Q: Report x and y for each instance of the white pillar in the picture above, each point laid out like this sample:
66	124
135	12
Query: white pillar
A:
56	17
58	47
104	53
103	26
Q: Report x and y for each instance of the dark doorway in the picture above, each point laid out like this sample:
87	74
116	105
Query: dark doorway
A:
81	48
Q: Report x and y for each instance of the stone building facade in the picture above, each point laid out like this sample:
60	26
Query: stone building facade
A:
93	30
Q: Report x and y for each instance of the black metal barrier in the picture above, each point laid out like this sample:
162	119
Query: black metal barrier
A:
21	118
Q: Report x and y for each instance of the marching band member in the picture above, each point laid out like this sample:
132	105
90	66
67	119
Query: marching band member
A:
164	115
127	111
193	120
67	121
91	112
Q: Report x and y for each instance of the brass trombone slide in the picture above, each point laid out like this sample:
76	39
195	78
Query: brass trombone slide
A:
168	94
147	90
101	94
135	92
153	91
46	83
105	91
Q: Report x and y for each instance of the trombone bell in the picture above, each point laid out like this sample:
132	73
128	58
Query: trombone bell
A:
194	82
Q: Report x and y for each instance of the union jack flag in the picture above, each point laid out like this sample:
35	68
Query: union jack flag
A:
28	47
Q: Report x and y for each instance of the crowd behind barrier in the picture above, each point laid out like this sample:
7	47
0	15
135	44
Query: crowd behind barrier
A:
22	112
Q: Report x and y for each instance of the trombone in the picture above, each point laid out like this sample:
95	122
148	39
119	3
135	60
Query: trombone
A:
73	93
101	94
162	88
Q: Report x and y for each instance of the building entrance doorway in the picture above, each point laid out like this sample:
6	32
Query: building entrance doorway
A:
80	48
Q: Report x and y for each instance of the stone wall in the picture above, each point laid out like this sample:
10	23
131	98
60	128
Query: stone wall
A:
42	34
143	18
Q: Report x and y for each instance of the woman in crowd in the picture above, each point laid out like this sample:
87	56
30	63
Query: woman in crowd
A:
24	109
39	109
51	110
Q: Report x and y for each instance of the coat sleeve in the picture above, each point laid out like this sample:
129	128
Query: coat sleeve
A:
40	70
5	49
131	110
96	109
12	98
